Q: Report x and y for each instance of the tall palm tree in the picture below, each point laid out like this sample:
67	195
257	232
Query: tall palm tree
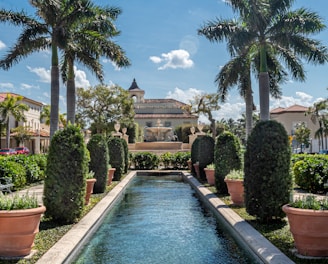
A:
88	41
49	30
11	107
269	29
316	114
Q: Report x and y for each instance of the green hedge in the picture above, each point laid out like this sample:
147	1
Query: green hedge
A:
145	161
311	172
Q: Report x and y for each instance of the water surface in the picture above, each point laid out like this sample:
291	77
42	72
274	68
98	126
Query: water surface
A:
160	220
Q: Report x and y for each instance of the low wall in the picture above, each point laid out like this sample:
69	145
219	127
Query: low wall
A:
158	146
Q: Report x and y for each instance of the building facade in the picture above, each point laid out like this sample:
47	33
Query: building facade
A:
151	112
289	117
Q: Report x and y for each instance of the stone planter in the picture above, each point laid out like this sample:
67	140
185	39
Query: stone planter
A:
110	177
236	190
89	190
18	229
210	176
309	229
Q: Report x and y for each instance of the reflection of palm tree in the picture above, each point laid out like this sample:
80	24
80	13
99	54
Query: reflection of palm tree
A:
11	107
270	31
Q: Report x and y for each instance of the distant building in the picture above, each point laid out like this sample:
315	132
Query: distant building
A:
149	111
289	117
32	122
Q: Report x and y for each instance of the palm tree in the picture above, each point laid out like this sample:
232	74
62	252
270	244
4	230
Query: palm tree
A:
88	41
316	112
268	29
50	29
11	107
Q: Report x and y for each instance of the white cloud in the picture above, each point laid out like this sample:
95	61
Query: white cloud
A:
2	45
6	86
228	110
81	79
300	98
25	86
43	74
174	59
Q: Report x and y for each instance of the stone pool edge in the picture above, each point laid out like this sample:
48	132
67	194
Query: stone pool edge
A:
67	248
251	240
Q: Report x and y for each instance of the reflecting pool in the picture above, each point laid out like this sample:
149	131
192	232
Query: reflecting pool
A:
160	220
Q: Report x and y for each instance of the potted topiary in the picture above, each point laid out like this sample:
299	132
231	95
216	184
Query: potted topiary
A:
110	177
235	183
90	184
20	218
210	173
308	217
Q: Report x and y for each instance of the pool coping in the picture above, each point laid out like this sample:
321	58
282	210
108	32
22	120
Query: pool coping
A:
67	248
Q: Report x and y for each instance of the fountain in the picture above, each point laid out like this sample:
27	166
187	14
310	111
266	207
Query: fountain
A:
159	138
158	133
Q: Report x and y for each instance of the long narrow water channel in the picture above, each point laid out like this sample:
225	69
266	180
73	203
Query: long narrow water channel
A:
160	220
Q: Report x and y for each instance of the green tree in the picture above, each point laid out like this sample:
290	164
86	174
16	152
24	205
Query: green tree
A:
271	32
45	116
318	113
21	134
50	29
204	104
11	107
87	42
302	134
102	106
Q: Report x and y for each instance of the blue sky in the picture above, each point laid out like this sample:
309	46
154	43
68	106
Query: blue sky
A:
169	59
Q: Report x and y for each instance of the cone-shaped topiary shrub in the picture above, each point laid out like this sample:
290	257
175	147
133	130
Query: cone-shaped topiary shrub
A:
65	182
126	155
202	150
267	178
227	157
99	161
116	156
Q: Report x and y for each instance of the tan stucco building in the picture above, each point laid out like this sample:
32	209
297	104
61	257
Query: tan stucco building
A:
169	112
289	117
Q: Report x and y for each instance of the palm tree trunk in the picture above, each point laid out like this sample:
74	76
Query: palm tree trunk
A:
71	94
249	110
8	134
54	111
264	91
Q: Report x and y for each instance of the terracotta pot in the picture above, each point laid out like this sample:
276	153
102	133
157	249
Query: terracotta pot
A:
111	172
18	229
236	190
210	176
196	167
309	229
189	165
89	190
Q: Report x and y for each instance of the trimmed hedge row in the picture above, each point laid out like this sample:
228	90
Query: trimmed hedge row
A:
23	170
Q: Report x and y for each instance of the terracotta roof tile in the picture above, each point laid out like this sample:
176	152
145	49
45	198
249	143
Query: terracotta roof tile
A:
290	109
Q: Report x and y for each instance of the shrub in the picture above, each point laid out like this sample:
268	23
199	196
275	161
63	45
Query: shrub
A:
180	160
202	150
67	167
267	178
227	157
116	156
14	171
99	161
167	159
33	171
311	173
145	161
126	155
